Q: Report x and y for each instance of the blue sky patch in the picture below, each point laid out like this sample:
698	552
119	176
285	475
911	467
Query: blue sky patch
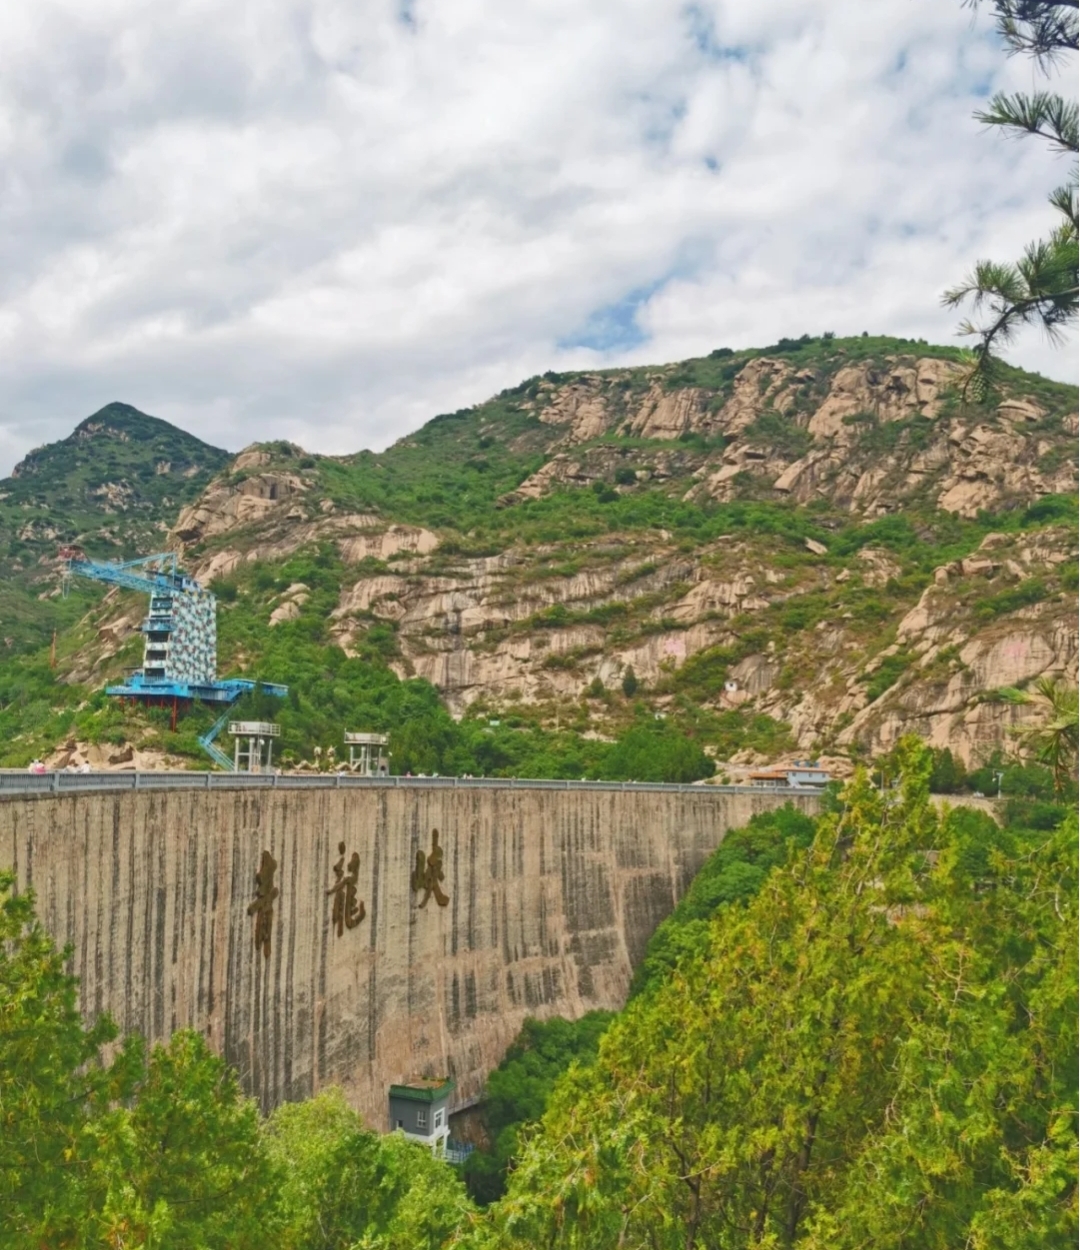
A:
614	327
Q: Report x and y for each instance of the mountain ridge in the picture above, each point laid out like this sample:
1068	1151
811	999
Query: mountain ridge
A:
111	486
817	547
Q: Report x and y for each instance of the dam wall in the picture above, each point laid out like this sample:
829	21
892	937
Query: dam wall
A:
298	930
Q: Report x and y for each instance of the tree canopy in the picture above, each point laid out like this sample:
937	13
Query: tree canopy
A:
880	1049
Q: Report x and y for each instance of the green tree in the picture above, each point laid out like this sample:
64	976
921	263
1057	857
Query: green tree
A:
52	1084
342	1187
1041	287
652	751
517	1091
1053	741
629	682
184	1166
949	775
878	1050
734	873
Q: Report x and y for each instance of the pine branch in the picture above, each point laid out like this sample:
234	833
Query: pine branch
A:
1042	29
1045	114
1064	200
1040	288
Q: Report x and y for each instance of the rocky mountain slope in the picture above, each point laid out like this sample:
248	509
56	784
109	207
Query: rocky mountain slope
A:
821	540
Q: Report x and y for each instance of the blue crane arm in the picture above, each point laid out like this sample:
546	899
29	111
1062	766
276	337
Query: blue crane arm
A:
120	575
162	558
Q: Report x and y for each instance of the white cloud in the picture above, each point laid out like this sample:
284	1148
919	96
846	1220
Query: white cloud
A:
327	221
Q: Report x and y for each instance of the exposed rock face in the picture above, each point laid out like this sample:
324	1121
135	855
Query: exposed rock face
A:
967	468
949	696
292	600
893	395
669	414
579	407
885	436
759	387
228	505
265	516
485	632
552	898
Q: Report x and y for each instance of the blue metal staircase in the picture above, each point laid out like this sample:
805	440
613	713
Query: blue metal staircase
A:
206	741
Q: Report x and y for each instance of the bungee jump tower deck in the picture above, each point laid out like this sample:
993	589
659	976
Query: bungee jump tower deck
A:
180	632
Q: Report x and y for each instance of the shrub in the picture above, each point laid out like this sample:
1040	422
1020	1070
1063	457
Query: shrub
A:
1030	781
886	675
790	345
652	751
704	673
225	590
948	775
778	433
629	682
1034	814
1023	595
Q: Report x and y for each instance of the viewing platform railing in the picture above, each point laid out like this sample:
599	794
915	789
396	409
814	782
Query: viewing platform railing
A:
17	782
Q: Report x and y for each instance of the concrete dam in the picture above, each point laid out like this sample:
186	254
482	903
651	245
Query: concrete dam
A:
357	934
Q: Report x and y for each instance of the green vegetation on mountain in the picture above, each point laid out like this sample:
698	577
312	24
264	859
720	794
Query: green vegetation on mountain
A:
331	691
861	1034
112	486
454	473
594	555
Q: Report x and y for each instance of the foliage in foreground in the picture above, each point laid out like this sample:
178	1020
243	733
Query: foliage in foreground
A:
879	1050
517	1092
166	1153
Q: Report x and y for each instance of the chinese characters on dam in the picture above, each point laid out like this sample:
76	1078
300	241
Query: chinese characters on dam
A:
347	910
263	906
428	874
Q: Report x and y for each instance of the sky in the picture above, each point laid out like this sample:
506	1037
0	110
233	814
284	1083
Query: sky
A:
328	221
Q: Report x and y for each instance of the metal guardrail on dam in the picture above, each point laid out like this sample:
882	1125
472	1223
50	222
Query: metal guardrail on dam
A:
18	782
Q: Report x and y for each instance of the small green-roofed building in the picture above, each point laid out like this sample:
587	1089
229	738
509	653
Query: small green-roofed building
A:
420	1108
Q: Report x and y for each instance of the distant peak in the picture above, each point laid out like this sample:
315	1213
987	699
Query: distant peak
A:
113	415
127	423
